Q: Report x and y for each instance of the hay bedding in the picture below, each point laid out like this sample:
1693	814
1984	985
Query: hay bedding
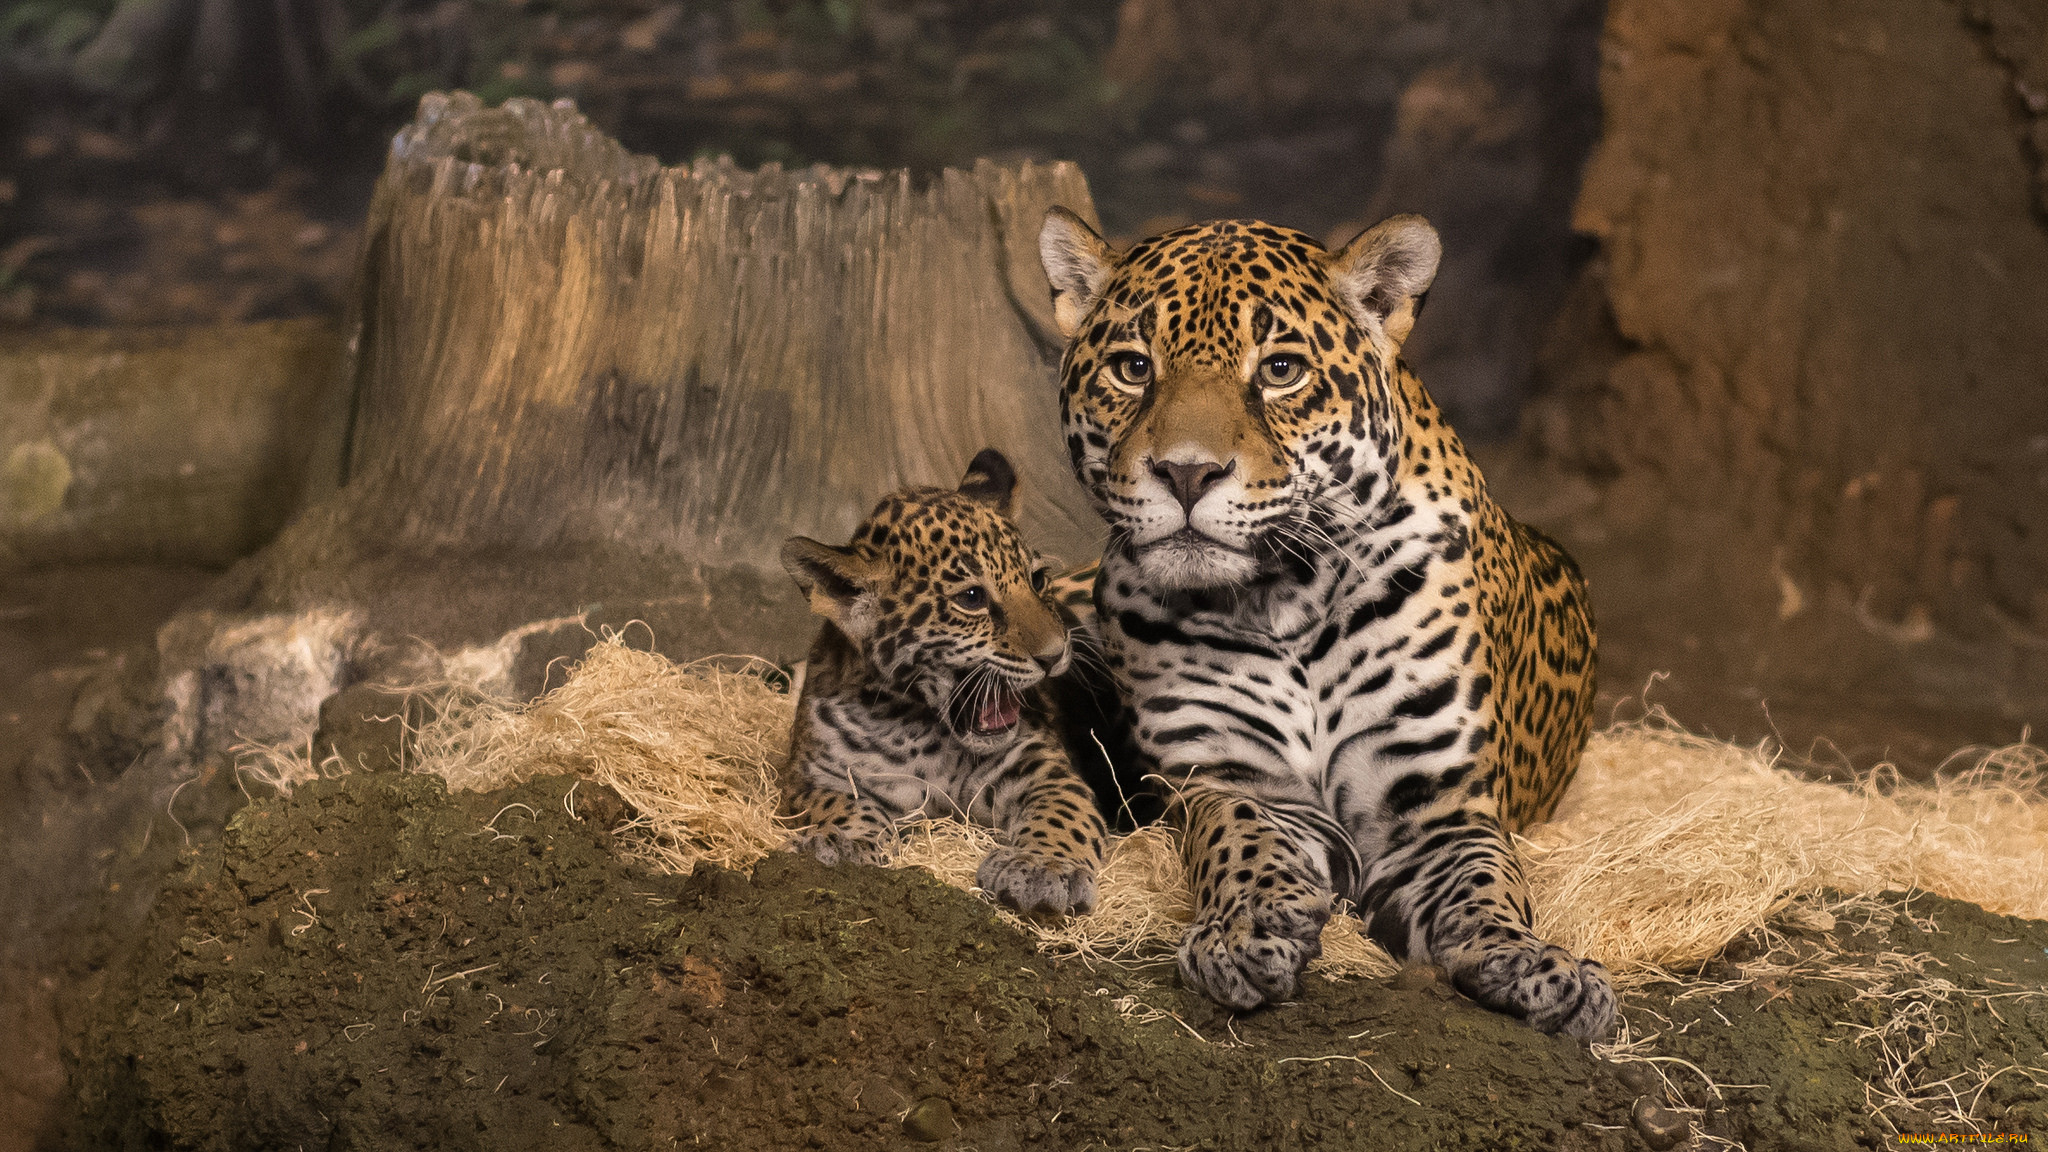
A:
1667	847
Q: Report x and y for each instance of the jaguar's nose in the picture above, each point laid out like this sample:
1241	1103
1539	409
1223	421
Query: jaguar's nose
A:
1190	482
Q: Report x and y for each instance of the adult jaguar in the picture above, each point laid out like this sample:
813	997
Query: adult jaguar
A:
1354	674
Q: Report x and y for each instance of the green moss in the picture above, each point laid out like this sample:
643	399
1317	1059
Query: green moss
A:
33	482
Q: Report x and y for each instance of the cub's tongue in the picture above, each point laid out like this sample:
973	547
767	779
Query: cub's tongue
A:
999	713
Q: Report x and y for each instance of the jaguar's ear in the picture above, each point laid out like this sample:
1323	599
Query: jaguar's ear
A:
1077	263
835	579
990	480
1385	272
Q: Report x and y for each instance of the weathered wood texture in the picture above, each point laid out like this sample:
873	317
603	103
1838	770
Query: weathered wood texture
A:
561	342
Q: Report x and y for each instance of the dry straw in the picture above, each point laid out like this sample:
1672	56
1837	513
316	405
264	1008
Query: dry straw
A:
1667	847
692	749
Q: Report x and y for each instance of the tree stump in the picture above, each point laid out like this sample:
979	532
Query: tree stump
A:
560	341
578	378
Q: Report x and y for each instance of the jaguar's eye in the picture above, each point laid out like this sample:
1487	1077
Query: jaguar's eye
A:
1040	578
973	599
1130	371
1282	374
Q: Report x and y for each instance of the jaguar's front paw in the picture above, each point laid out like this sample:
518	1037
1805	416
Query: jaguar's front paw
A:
1549	987
1251	951
837	846
1038	884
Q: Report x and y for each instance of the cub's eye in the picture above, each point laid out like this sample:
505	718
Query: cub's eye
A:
1130	371
973	599
1282	374
1039	579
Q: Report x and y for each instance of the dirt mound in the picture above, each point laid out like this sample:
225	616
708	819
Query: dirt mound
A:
377	963
1666	847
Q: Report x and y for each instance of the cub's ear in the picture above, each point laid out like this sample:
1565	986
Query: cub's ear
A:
1077	263
1384	273
834	579
990	480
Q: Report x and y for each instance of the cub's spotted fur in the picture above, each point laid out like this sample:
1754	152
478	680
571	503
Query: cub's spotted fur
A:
1356	672
924	697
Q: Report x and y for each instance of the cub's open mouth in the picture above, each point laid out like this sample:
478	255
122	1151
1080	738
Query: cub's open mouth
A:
1000	713
985	709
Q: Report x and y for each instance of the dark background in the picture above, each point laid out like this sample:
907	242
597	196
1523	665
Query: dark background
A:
203	160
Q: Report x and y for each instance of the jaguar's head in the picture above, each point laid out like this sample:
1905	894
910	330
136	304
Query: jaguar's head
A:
944	600
1228	390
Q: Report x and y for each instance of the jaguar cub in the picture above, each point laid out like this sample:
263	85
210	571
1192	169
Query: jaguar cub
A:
925	693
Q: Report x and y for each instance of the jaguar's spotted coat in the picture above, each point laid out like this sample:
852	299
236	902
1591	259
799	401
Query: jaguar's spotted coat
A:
923	696
1356	673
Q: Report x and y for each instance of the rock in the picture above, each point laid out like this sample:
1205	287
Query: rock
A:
930	1121
1659	1126
364	725
1734	389
183	445
1416	977
1637	1077
231	681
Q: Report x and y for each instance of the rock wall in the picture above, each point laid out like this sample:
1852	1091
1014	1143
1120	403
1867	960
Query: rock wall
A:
1476	114
1814	348
183	446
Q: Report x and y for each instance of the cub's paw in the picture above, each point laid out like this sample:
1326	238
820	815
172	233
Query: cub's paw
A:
837	846
1038	884
1549	987
1251	951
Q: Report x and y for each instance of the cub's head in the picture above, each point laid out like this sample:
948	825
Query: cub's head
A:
944	600
1229	388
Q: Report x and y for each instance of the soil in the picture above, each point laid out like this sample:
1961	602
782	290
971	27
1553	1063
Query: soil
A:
59	626
374	963
65	633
